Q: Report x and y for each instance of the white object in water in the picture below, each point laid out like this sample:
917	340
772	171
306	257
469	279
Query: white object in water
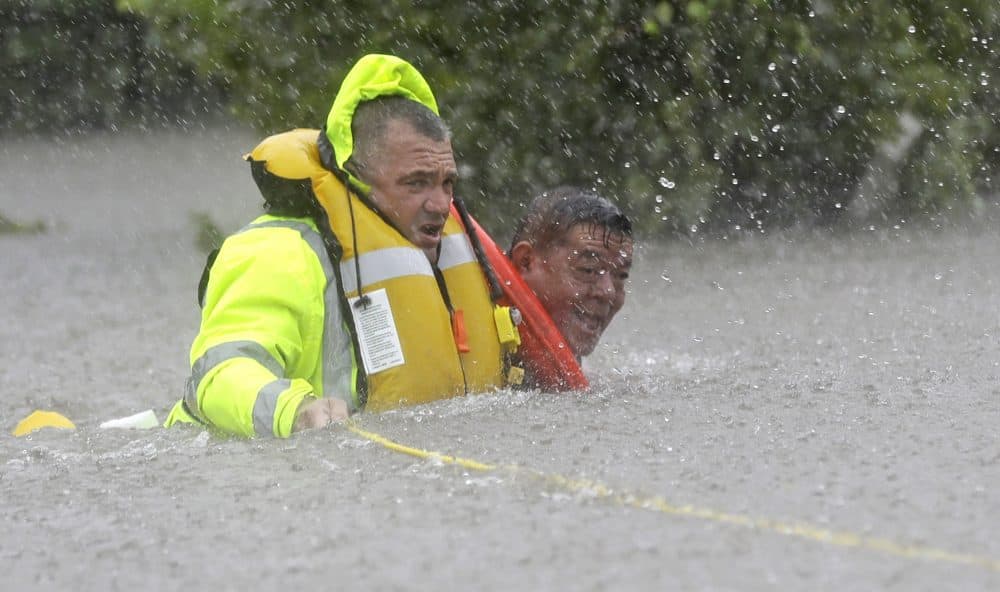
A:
140	421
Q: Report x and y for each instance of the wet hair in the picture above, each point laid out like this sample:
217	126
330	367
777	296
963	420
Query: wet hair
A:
371	123
552	214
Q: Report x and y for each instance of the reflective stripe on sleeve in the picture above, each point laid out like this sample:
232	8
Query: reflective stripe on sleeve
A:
222	352
338	359
266	404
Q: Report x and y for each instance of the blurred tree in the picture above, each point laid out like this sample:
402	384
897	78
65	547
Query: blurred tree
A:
696	114
83	64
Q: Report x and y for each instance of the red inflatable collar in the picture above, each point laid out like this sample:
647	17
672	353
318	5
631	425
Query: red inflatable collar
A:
547	357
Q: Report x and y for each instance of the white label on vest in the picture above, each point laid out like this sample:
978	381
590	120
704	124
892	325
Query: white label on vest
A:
380	347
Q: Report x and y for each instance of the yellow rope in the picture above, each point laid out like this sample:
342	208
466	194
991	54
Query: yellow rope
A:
426	454
659	504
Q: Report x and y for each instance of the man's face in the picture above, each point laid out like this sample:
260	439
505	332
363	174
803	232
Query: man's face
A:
580	280
412	184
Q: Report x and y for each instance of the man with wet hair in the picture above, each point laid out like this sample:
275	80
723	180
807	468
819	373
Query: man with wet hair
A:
387	131
371	123
574	249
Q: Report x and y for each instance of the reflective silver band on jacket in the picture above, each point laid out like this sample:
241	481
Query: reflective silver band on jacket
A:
395	262
455	250
266	405
220	353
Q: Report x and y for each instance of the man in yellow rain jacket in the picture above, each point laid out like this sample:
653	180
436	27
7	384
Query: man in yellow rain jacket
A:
357	289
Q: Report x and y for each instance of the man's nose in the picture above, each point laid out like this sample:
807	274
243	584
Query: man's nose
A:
604	285
439	202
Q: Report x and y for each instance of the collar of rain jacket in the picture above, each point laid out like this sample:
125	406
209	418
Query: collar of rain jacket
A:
374	76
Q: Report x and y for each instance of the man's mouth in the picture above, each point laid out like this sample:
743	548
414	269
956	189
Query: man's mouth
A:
432	231
590	322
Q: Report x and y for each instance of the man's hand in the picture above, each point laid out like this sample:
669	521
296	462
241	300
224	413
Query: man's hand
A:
316	413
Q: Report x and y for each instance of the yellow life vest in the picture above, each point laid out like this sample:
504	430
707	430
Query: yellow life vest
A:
430	333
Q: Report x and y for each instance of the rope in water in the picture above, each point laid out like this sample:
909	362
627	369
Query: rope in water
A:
661	505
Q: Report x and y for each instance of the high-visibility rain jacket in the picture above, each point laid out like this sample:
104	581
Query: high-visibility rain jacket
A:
282	320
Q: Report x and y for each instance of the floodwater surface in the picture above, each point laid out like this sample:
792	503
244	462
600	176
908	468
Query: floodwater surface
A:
769	413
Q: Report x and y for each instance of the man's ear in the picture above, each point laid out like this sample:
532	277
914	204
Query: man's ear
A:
522	255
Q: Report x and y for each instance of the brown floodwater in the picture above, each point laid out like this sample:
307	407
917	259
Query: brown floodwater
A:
771	413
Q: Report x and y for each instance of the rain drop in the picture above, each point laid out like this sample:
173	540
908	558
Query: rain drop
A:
771	67
841	109
912	29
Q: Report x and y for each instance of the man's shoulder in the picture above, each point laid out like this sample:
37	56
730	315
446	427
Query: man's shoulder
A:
300	224
279	240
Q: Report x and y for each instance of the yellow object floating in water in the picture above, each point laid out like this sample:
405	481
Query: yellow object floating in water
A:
43	419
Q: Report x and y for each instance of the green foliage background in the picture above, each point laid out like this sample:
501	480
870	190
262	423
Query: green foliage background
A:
698	115
75	65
